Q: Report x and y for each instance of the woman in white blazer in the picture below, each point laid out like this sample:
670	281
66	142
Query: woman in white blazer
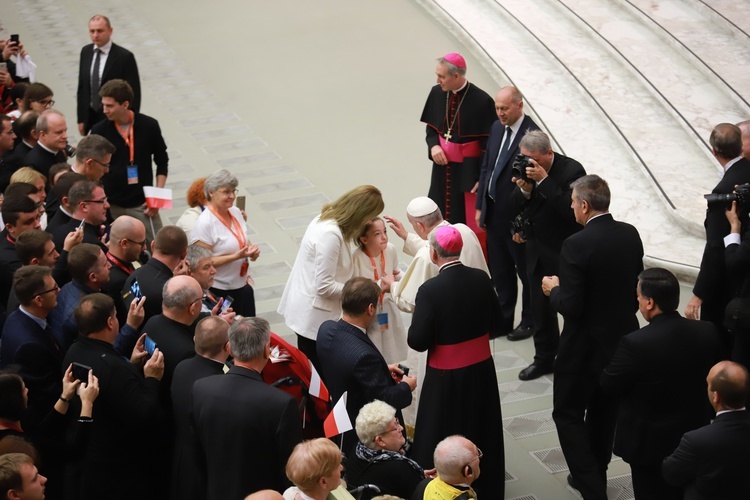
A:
324	263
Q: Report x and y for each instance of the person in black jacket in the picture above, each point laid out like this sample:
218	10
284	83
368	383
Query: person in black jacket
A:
737	256
128	419
379	456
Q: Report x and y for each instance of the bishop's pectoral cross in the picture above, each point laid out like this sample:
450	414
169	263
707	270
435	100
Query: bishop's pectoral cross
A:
447	135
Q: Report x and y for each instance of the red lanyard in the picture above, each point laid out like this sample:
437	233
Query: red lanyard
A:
115	261
375	271
127	136
234	227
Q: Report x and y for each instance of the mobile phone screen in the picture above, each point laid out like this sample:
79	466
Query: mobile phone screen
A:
226	304
240	202
136	289
149	345
81	372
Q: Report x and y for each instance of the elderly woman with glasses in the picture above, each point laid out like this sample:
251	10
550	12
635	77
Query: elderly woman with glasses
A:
314	467
379	456
221	228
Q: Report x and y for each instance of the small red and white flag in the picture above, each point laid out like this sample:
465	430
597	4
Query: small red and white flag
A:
157	197
317	387
338	421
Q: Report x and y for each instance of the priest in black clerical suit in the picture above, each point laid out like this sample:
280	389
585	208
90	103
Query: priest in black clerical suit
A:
458	115
454	314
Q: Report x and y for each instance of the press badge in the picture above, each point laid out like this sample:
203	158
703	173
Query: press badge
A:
383	321
132	174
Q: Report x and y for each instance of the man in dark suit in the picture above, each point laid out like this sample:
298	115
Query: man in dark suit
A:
52	133
173	330
246	428
543	199
711	462
102	61
506	258
64	210
28	343
351	363
595	293
661	388
711	292
211	352
89	202
20	213
120	456
453	317
167	260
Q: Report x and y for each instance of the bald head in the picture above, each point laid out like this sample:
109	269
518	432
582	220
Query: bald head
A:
728	386
456	460
726	142
745	129
509	105
127	238
182	299
211	337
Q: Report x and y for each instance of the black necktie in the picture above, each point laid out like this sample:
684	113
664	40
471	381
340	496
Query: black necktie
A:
96	101
502	159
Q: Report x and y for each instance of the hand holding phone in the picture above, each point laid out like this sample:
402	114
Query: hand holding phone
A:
81	372
149	345
226	304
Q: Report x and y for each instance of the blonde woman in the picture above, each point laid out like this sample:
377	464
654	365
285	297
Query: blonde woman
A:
30	176
314	467
324	263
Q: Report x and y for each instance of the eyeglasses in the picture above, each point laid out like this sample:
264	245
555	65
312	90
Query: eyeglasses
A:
56	289
139	243
105	165
46	102
478	457
228	192
398	428
102	201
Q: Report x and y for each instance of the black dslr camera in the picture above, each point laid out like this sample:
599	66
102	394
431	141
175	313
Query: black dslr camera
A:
522	226
741	195
519	167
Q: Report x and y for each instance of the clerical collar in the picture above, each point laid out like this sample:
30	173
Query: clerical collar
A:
730	410
106	47
62	209
449	264
41	145
466	82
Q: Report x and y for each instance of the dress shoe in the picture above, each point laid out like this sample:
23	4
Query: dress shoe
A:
572	482
534	371
520	333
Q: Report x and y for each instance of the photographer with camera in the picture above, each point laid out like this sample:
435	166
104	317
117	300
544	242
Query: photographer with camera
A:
737	256
712	292
545	218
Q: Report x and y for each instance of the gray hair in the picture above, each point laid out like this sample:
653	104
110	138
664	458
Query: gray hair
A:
452	68
535	141
451	457
42	123
440	251
248	337
195	254
219	179
181	298
594	190
93	146
372	421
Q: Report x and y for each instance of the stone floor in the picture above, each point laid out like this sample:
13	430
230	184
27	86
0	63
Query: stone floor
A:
304	100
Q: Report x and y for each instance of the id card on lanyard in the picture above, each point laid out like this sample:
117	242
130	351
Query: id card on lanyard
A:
129	137
382	316
236	229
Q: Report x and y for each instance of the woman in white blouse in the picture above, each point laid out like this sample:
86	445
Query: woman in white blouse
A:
221	228
324	263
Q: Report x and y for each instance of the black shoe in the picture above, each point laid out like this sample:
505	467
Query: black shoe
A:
520	333
572	483
534	371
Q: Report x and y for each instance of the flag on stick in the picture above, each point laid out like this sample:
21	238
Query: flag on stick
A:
338	421
157	197
317	387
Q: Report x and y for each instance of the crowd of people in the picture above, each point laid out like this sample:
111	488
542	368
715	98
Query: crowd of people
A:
133	361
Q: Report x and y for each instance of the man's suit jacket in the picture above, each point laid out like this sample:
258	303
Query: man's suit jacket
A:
711	462
128	424
9	264
186	475
551	214
120	65
247	430
27	345
659	373
501	213
599	268
711	284
41	160
352	363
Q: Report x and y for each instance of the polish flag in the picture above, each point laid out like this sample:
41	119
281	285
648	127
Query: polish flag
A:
157	197
317	387
338	421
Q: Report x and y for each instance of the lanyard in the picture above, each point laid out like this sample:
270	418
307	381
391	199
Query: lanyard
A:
115	261
128	136
375	271
234	227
